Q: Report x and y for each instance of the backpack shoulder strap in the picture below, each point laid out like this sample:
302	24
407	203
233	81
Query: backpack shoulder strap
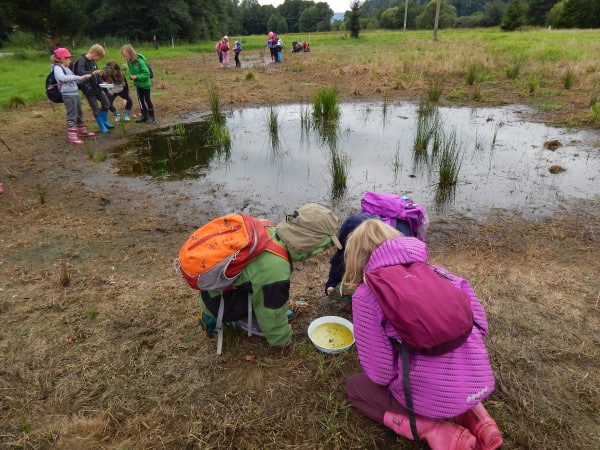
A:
277	249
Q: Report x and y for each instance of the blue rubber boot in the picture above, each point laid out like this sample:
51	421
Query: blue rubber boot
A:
104	116
101	125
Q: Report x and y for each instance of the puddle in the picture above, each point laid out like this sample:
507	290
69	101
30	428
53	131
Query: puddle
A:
504	162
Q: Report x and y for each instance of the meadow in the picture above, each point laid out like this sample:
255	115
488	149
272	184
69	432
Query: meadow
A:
100	344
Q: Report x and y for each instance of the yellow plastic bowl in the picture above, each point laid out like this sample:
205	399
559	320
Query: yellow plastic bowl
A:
331	334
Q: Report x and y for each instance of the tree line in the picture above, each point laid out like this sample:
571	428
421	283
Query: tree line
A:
194	20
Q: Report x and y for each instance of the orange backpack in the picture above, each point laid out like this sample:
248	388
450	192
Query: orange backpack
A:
215	254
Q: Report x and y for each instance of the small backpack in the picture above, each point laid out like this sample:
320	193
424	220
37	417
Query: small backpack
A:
53	87
431	315
390	208
216	253
143	58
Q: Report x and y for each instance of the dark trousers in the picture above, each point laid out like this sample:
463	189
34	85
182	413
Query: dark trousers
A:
93	99
144	101
372	399
123	94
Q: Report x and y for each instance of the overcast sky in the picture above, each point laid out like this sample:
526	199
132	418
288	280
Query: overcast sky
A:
336	5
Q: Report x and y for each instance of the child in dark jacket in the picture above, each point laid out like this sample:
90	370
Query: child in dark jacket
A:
112	74
87	64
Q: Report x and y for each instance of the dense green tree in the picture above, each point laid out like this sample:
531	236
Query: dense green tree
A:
290	10
467	7
474	20
5	23
554	16
426	18
273	22
50	22
537	11
254	17
390	18
282	26
580	14
514	16
354	19
493	13
316	17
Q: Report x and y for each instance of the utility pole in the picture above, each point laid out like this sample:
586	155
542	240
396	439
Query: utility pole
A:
405	14
437	19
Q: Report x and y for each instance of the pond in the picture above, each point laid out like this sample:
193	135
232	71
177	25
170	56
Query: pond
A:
276	158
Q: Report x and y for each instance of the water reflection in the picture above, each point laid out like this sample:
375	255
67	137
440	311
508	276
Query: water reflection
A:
504	164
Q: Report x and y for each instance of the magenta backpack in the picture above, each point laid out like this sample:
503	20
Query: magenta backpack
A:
429	313
391	207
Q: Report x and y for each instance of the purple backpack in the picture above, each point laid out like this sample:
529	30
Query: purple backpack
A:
391	207
429	313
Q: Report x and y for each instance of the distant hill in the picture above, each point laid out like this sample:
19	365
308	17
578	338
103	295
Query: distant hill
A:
338	16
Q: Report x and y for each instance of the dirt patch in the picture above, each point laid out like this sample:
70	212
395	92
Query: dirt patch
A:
99	339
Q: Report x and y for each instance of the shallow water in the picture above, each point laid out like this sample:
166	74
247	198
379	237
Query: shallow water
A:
504	162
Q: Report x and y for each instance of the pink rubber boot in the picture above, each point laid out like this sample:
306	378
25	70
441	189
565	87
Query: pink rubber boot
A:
478	421
83	131
439	434
72	136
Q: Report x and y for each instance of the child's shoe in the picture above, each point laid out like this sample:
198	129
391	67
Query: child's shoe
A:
126	115
208	324
117	116
243	324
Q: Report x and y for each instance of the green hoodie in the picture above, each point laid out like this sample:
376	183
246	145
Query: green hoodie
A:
139	67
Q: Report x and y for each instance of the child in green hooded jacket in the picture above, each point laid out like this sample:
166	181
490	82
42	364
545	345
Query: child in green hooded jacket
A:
310	230
139	72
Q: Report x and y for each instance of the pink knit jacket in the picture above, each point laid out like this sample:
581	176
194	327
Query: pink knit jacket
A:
441	386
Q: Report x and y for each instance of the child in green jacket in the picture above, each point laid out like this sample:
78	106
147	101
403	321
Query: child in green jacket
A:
310	230
139	72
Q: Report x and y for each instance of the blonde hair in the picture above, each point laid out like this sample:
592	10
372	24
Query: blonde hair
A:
98	50
128	50
360	245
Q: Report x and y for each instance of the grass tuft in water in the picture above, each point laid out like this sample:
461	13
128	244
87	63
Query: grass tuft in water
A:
449	161
339	173
384	108
305	123
325	104
214	103
219	137
179	130
495	135
428	122
273	128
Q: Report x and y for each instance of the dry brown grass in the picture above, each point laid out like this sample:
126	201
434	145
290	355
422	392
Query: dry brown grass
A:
113	358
